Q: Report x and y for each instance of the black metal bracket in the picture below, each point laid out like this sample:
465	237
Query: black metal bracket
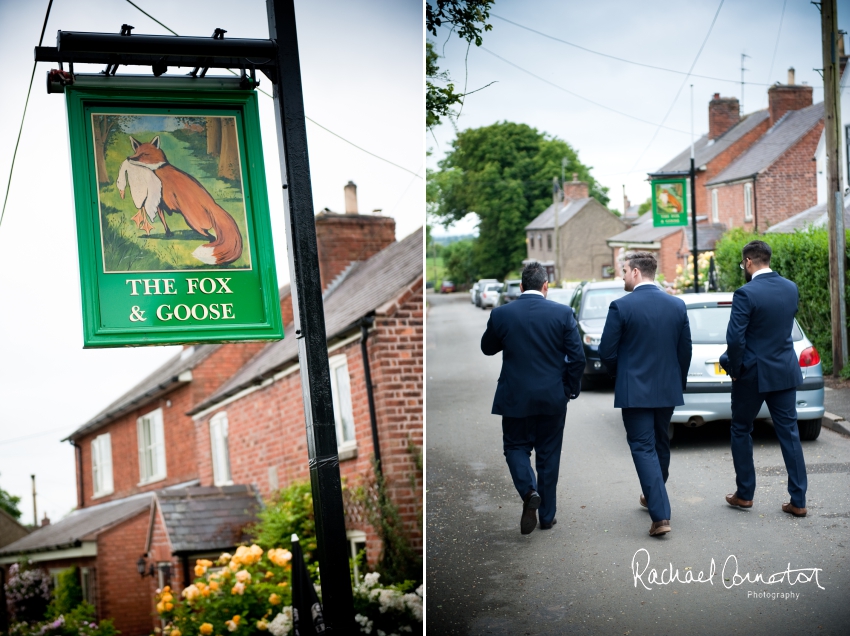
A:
159	52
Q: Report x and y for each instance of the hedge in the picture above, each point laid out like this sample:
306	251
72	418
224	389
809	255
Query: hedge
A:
802	257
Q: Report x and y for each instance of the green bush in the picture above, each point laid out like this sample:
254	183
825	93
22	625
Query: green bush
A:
802	257
78	622
68	593
289	511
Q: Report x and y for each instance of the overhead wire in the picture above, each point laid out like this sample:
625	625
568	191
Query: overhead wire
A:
312	121
23	117
684	81
582	97
620	59
776	45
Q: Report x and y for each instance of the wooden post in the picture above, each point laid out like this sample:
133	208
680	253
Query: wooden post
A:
834	188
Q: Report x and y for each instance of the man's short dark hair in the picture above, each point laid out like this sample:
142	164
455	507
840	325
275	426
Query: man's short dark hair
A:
644	261
758	252
533	276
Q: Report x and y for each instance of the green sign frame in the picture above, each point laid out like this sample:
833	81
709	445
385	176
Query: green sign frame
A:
670	202
195	263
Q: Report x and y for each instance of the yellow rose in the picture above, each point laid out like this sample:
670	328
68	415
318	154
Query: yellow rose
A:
224	558
169	607
269	575
200	570
262	625
243	576
191	593
282	584
206	629
166	597
239	588
166	589
213	585
160	607
176	632
275	599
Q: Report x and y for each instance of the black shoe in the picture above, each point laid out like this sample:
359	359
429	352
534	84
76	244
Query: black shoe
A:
528	521
548	526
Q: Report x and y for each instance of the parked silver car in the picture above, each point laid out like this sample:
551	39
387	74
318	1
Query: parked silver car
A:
476	297
708	396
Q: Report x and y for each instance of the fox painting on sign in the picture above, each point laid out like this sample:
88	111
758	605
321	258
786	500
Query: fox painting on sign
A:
185	182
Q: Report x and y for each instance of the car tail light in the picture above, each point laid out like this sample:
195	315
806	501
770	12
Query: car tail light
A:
809	357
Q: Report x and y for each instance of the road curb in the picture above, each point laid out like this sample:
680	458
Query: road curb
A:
836	423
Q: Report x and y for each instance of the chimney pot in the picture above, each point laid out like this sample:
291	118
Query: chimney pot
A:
351	198
45	521
575	177
716	96
791	76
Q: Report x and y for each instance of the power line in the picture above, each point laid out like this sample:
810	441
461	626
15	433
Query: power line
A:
679	92
312	121
23	117
32	436
619	59
776	45
561	88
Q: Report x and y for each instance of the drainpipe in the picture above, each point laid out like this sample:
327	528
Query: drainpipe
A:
79	452
365	323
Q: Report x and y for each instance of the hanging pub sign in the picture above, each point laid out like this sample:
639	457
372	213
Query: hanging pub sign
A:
669	202
173	225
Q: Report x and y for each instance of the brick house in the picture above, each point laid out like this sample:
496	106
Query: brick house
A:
374	324
151	494
584	225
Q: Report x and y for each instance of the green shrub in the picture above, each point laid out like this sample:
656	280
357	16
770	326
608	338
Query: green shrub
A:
289	511
78	622
68	593
802	257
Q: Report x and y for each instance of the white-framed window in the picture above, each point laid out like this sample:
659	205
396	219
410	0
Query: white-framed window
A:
748	201
101	465
357	544
341	389
715	212
151	447
220	449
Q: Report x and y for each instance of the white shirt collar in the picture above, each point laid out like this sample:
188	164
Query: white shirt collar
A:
646	282
762	271
532	291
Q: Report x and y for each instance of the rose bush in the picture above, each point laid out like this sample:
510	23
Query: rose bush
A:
78	622
387	611
28	593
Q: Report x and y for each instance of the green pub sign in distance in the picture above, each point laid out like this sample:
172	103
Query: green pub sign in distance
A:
669	202
173	225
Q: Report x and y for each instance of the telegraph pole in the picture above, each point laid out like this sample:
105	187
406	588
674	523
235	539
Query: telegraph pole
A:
695	250
556	203
834	188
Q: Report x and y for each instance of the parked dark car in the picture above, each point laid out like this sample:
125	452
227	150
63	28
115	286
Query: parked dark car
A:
590	303
447	287
509	292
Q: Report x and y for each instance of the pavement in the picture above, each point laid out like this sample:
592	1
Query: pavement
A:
590	574
836	400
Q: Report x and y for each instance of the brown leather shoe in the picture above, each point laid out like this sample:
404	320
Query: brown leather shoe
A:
659	527
794	510
735	502
643	501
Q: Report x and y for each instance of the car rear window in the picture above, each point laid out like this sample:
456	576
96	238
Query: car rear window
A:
597	301
513	287
492	286
708	325
560	295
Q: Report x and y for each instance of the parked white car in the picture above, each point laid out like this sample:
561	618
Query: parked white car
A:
490	295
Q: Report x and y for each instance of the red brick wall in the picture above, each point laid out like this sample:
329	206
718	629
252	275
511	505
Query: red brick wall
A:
782	98
123	596
179	429
266	428
723	113
789	186
343	238
668	255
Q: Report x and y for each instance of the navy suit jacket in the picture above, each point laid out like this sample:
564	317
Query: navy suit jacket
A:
542	356
759	333
646	345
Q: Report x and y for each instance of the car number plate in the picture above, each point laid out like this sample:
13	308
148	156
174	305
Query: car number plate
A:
718	370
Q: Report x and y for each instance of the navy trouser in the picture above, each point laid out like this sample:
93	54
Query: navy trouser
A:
544	434
746	402
646	432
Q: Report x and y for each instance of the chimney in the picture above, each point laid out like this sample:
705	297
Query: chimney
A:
45	521
575	189
723	113
346	238
786	97
351	198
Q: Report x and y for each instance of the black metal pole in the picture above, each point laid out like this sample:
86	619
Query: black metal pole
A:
337	598
694	223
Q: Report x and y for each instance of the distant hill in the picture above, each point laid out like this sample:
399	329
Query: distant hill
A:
446	240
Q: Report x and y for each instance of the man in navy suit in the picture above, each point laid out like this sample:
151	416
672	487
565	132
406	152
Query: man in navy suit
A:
761	360
542	365
646	345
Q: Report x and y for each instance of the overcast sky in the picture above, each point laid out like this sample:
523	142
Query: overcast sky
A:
660	33
362	66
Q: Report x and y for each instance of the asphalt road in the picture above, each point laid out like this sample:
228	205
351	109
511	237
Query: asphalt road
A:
484	577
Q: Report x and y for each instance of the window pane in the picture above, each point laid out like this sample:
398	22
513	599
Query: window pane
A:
344	388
